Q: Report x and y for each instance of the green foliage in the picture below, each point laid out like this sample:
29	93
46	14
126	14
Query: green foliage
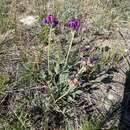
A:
3	80
91	125
94	125
58	94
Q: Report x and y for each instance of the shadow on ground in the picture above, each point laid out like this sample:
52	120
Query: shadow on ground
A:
125	106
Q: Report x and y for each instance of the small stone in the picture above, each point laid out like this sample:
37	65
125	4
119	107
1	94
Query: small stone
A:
29	21
110	97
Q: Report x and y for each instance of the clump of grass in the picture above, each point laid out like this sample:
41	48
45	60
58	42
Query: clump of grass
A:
3	80
4	20
91	125
94	125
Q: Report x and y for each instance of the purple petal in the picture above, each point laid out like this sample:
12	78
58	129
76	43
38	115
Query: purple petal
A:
74	24
50	19
55	23
45	20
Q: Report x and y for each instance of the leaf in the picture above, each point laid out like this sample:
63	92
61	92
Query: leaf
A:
70	99
79	92
64	77
57	68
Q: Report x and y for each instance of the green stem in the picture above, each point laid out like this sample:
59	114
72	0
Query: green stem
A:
48	52
70	46
67	92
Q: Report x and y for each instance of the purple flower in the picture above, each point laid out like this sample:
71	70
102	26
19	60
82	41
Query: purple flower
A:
50	19
74	24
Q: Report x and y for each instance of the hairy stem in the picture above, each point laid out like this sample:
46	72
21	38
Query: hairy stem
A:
70	46
48	52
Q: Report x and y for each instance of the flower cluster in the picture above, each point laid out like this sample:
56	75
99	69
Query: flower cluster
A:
74	24
52	20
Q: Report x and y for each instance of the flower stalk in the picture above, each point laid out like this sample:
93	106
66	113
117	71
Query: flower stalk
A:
70	46
48	51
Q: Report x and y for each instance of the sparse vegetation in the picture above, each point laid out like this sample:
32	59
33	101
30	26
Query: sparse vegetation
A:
55	58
